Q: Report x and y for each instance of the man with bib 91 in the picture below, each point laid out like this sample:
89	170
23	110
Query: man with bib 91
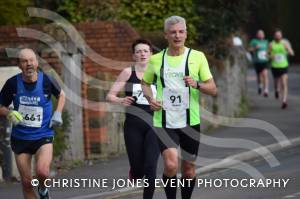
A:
180	73
32	132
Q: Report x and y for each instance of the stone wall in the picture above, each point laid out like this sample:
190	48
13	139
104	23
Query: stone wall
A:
231	101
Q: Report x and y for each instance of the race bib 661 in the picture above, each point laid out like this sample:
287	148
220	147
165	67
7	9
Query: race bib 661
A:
32	115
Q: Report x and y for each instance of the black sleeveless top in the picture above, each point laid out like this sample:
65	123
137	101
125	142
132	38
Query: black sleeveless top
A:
133	79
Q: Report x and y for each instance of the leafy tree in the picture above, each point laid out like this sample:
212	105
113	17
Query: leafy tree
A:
47	4
220	18
150	15
209	22
13	12
92	10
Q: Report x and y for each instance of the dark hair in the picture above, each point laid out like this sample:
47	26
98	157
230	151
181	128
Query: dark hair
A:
277	30
141	41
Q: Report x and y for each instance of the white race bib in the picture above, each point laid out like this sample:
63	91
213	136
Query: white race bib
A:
262	55
176	99
32	115
279	57
138	93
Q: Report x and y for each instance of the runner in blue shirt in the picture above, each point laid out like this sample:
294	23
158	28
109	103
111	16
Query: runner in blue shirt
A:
32	134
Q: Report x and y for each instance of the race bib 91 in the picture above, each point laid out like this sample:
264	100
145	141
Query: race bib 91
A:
175	99
32	115
138	93
279	57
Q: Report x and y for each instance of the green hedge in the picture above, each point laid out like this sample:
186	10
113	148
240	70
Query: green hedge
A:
60	144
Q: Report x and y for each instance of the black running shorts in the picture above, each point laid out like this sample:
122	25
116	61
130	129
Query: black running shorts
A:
277	72
28	146
188	139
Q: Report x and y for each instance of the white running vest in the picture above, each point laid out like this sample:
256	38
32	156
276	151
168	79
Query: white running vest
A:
175	94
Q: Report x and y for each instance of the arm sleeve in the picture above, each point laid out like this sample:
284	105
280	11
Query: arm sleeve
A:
204	71
6	94
149	72
53	85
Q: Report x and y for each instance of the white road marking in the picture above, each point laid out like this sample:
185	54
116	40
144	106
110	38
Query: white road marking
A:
293	195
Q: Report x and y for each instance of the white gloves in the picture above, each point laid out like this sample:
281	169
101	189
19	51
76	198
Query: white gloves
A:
14	117
56	119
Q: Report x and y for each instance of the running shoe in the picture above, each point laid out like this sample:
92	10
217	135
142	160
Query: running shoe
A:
259	91
276	94
43	194
284	105
266	94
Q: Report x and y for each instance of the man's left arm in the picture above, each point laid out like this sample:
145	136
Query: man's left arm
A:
289	49
56	119
207	84
61	101
56	90
208	87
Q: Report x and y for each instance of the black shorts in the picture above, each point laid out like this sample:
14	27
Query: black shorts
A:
28	146
260	67
187	138
277	72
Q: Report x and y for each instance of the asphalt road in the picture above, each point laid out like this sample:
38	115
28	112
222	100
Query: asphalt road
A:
214	186
287	170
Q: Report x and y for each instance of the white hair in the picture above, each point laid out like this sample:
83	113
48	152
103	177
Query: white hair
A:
25	50
173	20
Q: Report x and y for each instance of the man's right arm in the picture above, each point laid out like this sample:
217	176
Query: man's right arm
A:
147	80
146	87
5	98
3	110
289	49
147	90
154	104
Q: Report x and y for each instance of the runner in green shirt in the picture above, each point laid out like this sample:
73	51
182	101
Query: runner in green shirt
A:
279	51
180	74
259	49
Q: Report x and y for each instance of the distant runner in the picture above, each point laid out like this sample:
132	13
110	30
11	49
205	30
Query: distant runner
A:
259	49
279	51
